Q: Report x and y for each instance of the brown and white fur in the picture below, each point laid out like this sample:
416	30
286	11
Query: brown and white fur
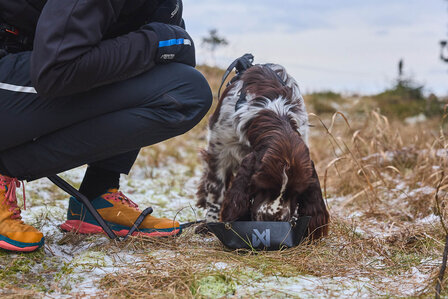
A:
257	164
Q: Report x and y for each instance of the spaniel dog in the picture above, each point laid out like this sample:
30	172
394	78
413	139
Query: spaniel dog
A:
257	164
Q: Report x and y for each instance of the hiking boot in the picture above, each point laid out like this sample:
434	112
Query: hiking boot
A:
14	234
120	213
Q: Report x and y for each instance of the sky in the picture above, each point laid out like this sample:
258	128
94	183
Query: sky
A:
349	46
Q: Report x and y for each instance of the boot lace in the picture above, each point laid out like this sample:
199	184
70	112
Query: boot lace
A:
10	185
120	197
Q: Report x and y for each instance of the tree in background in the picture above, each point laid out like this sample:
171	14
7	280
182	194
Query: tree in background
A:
212	42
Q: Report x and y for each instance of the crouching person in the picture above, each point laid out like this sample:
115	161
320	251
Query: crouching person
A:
91	82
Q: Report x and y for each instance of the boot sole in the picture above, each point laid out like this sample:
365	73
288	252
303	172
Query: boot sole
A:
80	227
11	245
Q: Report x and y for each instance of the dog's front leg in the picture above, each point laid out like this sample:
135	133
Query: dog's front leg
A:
211	187
236	204
215	186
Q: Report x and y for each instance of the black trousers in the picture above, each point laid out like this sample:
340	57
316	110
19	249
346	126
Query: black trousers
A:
106	126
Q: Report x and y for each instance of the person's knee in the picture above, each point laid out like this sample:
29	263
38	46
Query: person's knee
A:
201	92
185	100
195	98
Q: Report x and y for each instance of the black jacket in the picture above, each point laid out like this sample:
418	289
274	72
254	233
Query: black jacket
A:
82	44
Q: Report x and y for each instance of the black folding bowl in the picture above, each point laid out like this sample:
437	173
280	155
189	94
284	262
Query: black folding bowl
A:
260	235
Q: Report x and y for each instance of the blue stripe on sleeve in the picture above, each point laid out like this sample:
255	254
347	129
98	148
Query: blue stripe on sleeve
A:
171	42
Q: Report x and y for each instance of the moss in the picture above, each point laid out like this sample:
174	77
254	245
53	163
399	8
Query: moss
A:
19	270
214	286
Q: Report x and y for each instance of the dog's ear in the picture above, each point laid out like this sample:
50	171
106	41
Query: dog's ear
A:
236	204
311	203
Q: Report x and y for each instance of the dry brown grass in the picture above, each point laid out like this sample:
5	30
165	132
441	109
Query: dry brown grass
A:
375	162
379	178
188	261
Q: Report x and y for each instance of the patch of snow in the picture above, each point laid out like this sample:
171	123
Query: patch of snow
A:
337	199
306	287
415	119
221	266
410	283
387	156
356	214
424	190
442	153
430	219
429	262
359	231
401	186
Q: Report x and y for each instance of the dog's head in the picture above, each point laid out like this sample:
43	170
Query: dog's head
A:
282	169
272	178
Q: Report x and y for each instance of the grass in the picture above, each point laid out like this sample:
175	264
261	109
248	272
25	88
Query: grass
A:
344	254
324	102
379	176
363	163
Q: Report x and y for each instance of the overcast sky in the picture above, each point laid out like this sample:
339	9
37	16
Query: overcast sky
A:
342	45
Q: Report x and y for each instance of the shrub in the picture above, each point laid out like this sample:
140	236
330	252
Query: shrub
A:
324	102
406	99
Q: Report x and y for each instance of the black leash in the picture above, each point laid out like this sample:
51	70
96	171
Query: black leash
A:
240	65
188	224
58	181
86	202
79	196
139	221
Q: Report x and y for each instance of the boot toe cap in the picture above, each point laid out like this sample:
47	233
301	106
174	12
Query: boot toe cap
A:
26	237
165	223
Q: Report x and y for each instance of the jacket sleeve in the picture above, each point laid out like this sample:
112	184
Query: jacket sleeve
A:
70	56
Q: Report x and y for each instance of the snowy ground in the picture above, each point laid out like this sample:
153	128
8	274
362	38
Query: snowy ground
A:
389	246
82	265
70	267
